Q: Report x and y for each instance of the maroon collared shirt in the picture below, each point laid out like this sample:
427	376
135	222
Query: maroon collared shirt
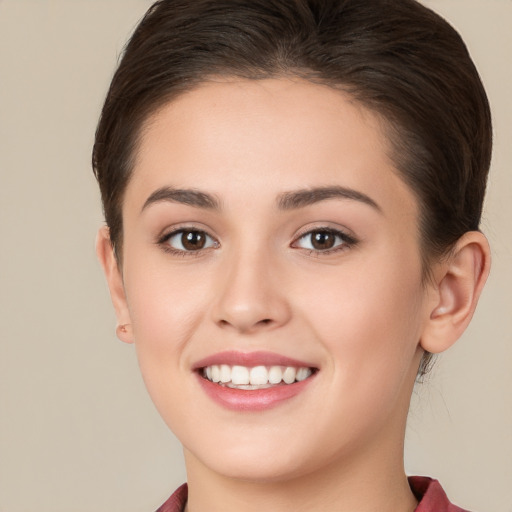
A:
428	492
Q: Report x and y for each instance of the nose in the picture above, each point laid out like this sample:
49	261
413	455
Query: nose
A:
251	297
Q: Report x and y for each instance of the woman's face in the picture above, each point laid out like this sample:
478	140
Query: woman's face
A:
267	236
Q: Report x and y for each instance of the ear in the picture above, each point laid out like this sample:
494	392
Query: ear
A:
458	282
106	256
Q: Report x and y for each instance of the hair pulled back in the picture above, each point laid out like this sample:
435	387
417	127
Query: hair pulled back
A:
396	57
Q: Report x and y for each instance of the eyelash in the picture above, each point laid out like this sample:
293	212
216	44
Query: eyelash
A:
345	241
164	242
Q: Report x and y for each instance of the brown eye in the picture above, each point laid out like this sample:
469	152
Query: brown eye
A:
324	240
190	240
193	240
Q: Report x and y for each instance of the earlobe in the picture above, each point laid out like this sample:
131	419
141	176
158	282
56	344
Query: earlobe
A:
108	261
459	280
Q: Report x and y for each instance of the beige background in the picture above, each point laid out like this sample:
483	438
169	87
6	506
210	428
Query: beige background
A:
77	431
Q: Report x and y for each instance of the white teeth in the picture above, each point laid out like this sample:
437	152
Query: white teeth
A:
275	375
239	375
225	373
303	374
215	373
289	375
257	377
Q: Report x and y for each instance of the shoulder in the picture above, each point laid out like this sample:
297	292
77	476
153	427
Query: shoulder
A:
176	503
431	496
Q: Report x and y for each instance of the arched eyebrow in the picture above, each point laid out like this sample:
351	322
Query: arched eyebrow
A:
306	197
186	196
286	201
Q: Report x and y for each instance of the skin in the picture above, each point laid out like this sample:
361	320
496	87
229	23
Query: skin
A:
361	314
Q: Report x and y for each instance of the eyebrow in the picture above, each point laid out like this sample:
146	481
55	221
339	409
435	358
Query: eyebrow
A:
307	197
286	201
189	197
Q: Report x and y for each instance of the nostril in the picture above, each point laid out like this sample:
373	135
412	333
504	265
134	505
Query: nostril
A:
246	326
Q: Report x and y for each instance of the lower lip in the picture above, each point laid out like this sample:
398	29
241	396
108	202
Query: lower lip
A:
253	399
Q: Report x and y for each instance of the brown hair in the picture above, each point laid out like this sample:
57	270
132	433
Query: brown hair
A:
396	57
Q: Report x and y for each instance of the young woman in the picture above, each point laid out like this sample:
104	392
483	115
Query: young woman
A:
293	193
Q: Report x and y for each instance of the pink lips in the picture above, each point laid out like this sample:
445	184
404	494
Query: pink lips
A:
251	400
250	359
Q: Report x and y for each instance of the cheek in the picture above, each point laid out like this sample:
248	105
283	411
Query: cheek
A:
165	311
370	321
370	327
165	308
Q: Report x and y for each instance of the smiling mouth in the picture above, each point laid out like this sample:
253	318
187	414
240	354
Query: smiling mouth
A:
255	377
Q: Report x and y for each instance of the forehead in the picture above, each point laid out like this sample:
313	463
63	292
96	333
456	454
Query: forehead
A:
248	137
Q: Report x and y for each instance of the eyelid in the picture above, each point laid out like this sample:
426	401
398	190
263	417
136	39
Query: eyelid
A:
163	239
348	240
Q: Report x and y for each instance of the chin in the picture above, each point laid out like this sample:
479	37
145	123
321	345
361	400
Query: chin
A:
258	468
272	460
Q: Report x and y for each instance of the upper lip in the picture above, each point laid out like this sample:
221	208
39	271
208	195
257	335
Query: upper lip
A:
250	359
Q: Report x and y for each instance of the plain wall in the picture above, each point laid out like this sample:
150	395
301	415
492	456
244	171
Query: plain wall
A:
77	430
